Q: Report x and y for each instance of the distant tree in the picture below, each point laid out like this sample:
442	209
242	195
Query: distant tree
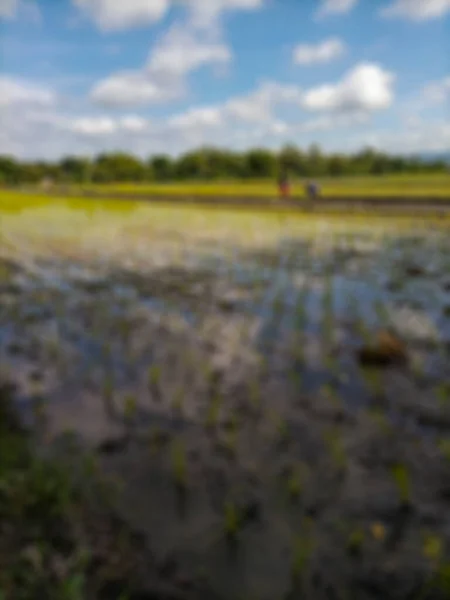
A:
316	162
292	160
75	169
337	165
162	167
11	171
118	167
260	163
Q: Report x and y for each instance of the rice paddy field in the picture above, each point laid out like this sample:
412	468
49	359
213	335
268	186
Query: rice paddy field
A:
395	186
269	393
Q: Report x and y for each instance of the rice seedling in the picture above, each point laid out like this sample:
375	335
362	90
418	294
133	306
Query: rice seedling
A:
444	447
374	381
336	448
178	400
231	521
294	484
213	411
433	547
232	434
255	392
443	394
154	382
355	542
130	407
402	482
302	550
179	464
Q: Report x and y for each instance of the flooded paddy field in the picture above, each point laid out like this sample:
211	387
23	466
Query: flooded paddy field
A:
270	393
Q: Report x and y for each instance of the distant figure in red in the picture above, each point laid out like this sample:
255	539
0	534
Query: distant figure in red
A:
283	185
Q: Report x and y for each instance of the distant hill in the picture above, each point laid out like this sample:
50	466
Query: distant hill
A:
431	156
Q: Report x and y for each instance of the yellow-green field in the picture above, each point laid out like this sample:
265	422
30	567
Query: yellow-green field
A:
436	186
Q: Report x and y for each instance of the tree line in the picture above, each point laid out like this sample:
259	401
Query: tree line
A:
208	164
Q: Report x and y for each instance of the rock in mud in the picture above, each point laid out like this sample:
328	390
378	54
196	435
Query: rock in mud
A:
415	271
387	350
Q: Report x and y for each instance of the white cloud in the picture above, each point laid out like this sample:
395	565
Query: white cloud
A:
335	7
437	92
367	87
28	9
207	12
324	52
178	53
133	124
197	117
111	15
131	88
94	126
417	10
16	91
422	136
8	8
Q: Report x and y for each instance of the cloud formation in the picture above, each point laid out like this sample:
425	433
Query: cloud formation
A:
417	10
335	7
323	52
366	88
163	78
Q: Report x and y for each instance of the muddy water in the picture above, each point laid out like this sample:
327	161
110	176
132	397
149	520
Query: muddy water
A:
231	379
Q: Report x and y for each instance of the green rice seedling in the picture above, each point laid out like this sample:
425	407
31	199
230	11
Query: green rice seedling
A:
278	304
402	482
355	542
232	521
130	407
381	419
383	314
442	579
154	380
418	368
330	393
108	395
444	447
302	550
336	448
255	393
294	484
374	381
281	425
232	434
178	400
213	411
433	548
443	394
179	464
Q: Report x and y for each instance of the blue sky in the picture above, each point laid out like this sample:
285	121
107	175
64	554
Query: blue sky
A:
148	76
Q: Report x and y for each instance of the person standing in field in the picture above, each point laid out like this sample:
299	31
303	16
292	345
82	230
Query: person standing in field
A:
283	185
312	191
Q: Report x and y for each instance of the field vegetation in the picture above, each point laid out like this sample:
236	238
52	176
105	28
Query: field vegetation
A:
263	397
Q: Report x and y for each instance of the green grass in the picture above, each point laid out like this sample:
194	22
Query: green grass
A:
51	512
373	186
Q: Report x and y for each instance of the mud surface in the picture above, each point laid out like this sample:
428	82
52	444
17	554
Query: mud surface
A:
224	389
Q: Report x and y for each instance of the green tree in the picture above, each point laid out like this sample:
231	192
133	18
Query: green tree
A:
118	167
260	163
162	167
292	160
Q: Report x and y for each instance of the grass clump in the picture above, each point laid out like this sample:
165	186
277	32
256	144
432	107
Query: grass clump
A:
232	521
402	482
49	521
